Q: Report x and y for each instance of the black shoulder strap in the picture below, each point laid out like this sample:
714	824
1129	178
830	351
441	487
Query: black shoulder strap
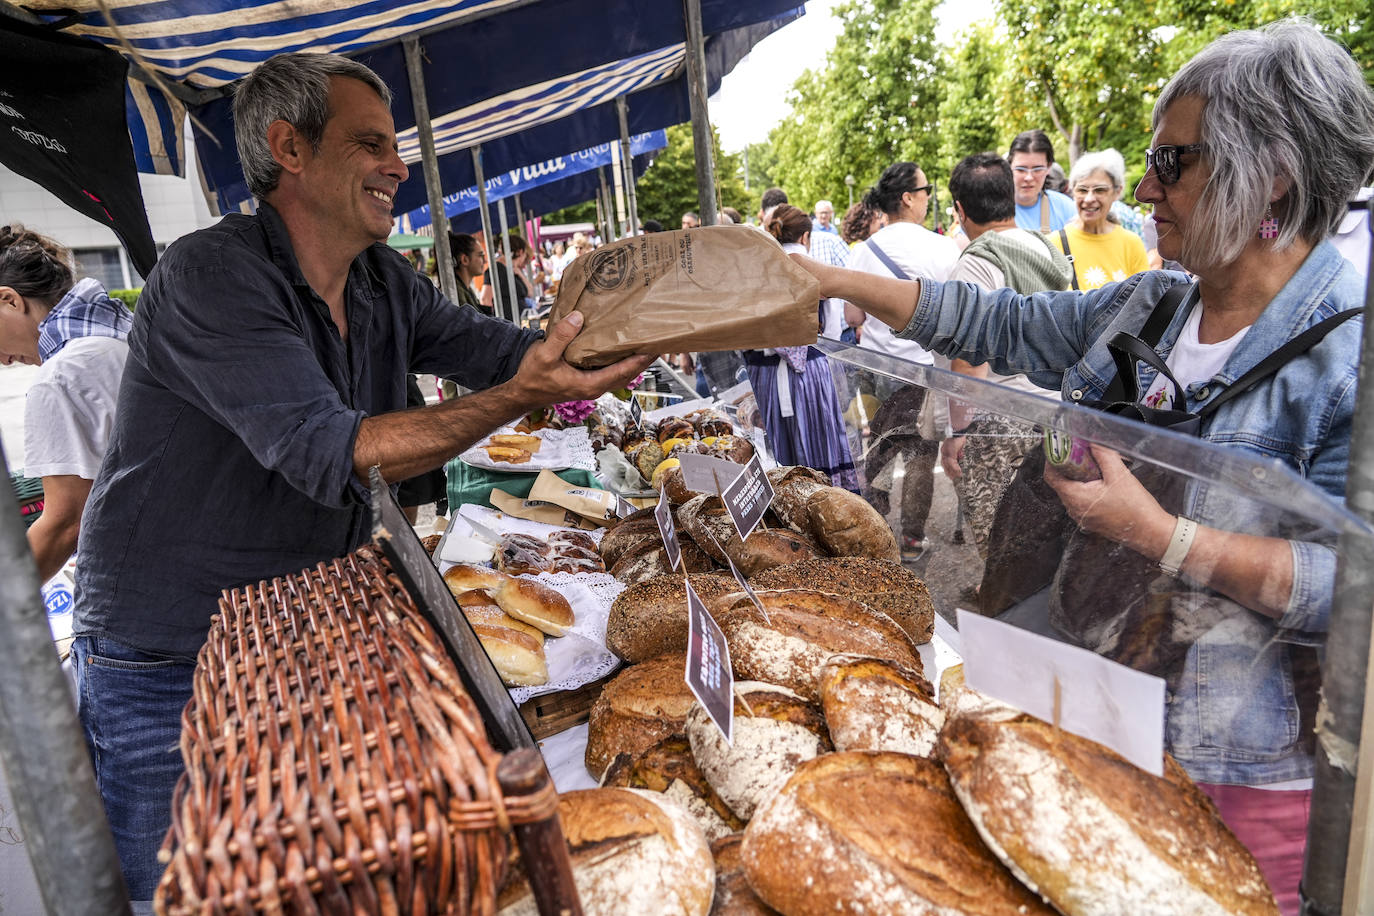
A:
1068	256
1150	334
887	261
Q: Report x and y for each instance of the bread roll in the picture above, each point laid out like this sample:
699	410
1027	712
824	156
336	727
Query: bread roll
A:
478	607
649	618
632	852
876	705
669	767
507	455
879	585
734	896
518	657
536	604
1092	833
847	526
773	731
640	707
463	577
804	628
528	443
875	833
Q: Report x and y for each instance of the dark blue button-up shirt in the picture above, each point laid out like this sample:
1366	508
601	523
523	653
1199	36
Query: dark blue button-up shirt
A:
232	455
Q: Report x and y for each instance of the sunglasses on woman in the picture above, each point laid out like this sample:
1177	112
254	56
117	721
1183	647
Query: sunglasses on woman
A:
1164	160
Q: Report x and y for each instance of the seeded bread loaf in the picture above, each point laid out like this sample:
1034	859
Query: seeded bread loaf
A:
880	585
876	705
641	706
649	618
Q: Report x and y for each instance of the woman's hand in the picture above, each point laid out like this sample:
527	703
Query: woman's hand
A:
1116	506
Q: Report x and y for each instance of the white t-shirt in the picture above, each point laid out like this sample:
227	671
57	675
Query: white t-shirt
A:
924	256
1190	362
70	408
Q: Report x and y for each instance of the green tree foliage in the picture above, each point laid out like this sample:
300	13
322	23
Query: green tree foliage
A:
762	170
968	112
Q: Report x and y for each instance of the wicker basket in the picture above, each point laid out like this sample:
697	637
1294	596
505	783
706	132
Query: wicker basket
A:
334	762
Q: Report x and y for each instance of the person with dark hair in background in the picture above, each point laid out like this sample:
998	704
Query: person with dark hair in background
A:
469	262
1037	208
652	225
770	199
735	216
75	332
794	387
519	257
860	221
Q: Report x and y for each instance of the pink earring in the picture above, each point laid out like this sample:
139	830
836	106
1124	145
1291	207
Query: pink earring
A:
1269	227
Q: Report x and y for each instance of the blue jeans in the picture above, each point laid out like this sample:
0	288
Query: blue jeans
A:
130	707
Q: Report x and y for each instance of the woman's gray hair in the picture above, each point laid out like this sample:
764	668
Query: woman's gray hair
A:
1107	160
293	88
1282	103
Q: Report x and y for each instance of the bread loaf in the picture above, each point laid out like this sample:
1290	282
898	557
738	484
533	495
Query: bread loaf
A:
650	559
958	699
876	705
1092	833
706	522
734	896
875	833
773	731
803	629
767	548
632	852
669	767
639	708
847	526
792	487
518	657
879	585
649	618
536	604
636	529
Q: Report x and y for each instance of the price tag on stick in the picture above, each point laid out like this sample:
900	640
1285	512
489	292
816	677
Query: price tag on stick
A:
748	496
636	411
663	514
708	665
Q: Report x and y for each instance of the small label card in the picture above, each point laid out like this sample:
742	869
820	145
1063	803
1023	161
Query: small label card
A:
705	474
708	665
663	514
623	507
636	411
748	496
1076	690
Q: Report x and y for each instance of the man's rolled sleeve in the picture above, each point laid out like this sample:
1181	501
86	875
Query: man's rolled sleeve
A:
1309	603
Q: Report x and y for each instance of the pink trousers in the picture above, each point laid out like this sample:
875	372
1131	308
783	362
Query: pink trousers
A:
1273	826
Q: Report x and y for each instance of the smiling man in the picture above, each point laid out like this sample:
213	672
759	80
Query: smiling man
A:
266	375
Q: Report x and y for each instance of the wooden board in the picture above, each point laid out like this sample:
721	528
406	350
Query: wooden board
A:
557	712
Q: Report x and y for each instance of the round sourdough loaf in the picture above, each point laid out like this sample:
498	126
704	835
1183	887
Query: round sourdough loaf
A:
880	585
773	731
632	852
876	705
804	628
734	896
875	833
1092	833
649	618
669	767
641	706
847	526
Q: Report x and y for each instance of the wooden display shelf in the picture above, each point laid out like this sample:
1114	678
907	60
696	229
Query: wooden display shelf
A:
557	712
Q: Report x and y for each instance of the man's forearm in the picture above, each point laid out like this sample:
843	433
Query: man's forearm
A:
888	299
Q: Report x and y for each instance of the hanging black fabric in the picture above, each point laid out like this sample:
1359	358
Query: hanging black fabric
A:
62	125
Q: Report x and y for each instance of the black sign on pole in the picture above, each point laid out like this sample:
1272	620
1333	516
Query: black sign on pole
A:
748	496
663	514
709	674
62	125
636	410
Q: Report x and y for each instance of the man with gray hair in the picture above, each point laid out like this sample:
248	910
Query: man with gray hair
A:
825	218
266	376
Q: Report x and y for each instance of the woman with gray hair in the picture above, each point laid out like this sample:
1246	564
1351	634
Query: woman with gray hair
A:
1101	251
1258	143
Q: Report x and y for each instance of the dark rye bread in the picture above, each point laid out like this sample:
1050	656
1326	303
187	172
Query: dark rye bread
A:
1092	833
641	706
880	833
649	618
650	559
669	767
878	584
734	896
629	532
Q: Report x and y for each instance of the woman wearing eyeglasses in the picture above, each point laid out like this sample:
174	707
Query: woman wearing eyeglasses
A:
1258	143
1038	208
1101	251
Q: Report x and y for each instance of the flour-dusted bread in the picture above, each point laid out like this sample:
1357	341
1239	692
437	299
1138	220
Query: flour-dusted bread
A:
1092	833
803	629
633	530
650	559
640	707
876	705
706	522
773	731
959	699
734	896
649	618
669	767
632	852
792	487
876	833
878	584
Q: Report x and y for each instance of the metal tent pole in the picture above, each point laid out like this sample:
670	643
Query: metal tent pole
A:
42	751
608	214
513	305
524	227
627	164
701	119
438	219
496	307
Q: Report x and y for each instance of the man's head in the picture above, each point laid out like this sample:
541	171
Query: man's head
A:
771	198
825	213
1031	156
315	130
519	252
652	225
690	220
982	190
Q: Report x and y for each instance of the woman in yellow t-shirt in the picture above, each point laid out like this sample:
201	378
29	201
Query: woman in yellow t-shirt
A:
1102	252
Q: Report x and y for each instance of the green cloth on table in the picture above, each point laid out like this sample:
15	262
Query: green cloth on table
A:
468	485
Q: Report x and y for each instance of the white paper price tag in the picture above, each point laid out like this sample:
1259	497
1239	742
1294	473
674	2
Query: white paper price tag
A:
663	514
1076	690
623	507
705	474
748	496
708	665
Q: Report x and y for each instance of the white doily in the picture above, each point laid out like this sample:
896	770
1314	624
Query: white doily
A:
580	656
561	449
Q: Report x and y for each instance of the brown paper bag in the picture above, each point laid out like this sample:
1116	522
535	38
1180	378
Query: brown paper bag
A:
596	506
713	288
537	510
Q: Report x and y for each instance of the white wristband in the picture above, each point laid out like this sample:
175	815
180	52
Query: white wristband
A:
1185	529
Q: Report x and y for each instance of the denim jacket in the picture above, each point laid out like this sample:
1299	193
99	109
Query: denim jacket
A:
1233	716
